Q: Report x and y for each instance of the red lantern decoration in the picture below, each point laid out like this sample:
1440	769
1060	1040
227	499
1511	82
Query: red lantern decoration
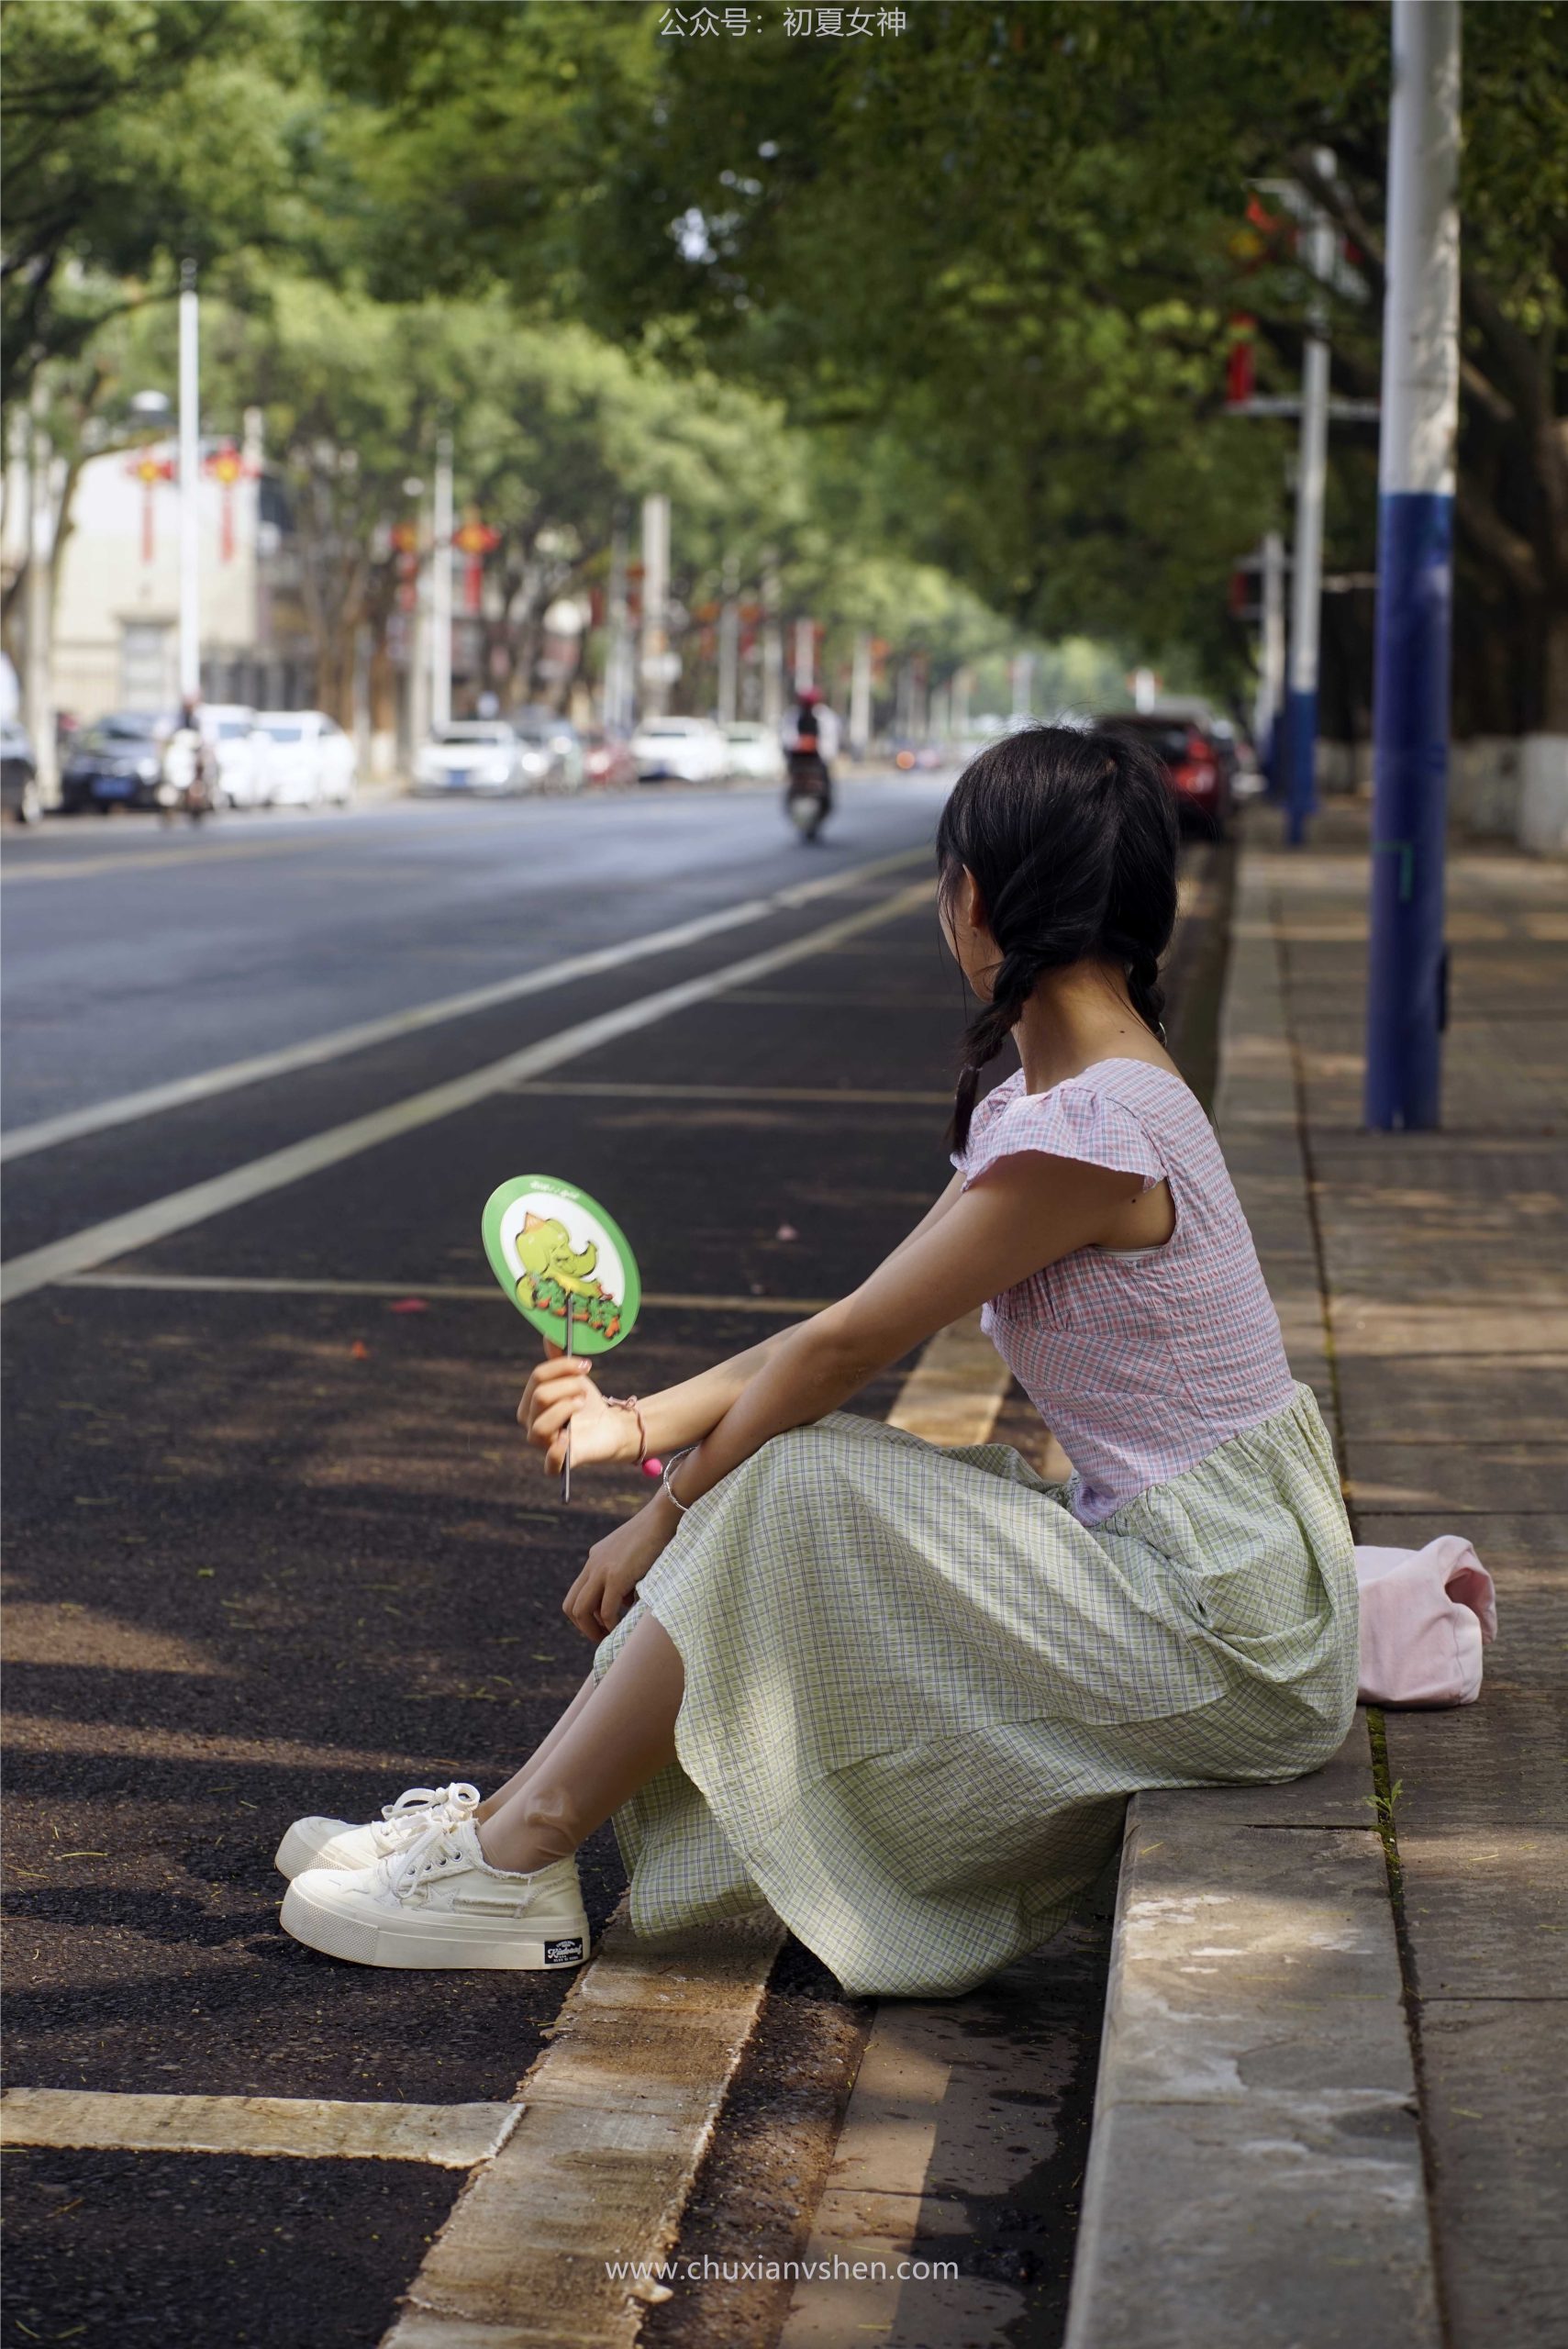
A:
226	466
476	540
149	471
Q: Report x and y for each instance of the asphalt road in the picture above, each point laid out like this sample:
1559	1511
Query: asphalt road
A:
274	1544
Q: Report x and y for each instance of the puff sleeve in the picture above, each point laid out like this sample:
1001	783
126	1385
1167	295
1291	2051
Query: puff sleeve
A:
1072	1121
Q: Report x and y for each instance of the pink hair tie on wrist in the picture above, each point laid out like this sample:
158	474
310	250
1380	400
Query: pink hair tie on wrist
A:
630	1403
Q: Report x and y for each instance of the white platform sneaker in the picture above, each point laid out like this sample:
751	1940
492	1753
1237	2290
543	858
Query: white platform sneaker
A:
439	1903
338	1843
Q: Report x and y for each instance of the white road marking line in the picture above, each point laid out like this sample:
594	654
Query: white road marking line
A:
835	1096
873	2202
945	2092
596	2155
47	1733
46	1133
452	2136
617	2116
71	868
957	1387
120	1235
620	2112
438	1292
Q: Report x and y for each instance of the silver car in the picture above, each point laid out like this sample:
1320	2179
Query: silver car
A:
481	754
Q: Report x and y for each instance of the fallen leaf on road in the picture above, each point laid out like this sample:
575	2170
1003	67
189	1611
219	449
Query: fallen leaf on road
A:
359	1351
786	1232
409	1305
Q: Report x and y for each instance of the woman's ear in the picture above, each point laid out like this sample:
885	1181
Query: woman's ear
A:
971	902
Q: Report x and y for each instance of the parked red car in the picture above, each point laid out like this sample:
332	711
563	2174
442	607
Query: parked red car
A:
607	762
1199	763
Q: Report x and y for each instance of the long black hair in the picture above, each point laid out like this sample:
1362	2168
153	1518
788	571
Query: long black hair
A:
1071	837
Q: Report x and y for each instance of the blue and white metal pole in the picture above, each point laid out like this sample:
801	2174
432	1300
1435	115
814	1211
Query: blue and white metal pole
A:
1300	746
1406	975
1268	702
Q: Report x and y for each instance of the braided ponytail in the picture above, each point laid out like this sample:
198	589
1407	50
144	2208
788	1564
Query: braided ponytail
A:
1072	840
989	1032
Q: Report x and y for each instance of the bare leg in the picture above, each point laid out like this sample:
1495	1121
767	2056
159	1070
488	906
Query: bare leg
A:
623	1736
547	1745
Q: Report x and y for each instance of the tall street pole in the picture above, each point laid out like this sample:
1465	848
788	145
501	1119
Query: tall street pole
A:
1306	578
441	588
804	656
617	652
729	643
1407	968
190	488
860	694
1268	704
37	667
772	647
655	605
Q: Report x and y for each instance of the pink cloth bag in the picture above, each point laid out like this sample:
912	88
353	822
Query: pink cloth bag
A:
1425	1617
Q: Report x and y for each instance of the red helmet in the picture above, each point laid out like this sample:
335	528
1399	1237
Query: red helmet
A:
808	696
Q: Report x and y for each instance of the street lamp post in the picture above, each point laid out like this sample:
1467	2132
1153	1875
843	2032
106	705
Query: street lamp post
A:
190	661
1269	701
618	695
804	656
37	670
729	643
1306	577
441	588
860	694
772	647
1407	972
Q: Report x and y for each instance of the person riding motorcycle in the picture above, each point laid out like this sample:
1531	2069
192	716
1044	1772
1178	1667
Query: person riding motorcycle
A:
810	735
190	769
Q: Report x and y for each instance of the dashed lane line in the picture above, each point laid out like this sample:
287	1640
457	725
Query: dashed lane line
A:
618	2114
121	1235
452	2136
47	1733
848	1097
178	1093
67	868
423	1292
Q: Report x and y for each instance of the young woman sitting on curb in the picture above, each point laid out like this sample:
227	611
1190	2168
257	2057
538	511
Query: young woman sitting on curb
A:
900	1690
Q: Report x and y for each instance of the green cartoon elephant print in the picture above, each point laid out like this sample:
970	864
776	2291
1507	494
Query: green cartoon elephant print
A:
557	1254
554	1271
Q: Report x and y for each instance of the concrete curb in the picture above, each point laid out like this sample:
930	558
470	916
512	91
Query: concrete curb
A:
1255	2173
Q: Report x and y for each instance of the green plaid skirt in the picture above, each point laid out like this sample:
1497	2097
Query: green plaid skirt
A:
918	1692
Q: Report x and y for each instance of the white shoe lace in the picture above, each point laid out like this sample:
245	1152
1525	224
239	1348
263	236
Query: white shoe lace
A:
429	1854
404	1872
415	1810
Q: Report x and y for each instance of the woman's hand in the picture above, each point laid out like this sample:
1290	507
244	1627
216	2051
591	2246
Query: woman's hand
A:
603	1591
561	1392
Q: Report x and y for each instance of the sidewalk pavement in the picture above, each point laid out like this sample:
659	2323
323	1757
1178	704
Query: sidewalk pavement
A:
1331	2105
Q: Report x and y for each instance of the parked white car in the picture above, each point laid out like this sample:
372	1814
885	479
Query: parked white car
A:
305	758
680	749
481	754
230	728
756	754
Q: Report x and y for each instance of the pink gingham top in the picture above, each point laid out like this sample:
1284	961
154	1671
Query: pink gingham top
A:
1140	1362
